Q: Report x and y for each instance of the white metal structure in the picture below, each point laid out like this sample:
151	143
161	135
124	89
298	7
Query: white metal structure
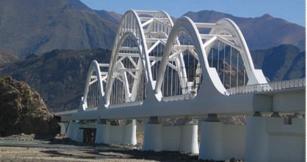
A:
95	85
189	69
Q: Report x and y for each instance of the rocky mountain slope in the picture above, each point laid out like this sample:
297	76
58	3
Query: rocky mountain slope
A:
7	58
39	26
22	110
110	16
281	63
260	32
59	76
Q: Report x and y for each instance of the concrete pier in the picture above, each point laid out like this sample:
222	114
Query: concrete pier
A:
108	133
182	138
270	139
152	135
220	141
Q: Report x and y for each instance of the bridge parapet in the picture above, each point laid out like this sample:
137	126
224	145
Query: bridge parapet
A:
270	87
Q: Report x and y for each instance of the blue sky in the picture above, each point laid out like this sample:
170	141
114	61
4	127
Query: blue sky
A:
291	10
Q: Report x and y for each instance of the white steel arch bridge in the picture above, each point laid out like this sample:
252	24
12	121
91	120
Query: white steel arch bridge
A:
160	69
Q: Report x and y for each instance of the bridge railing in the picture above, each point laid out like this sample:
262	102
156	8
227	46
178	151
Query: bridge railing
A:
268	87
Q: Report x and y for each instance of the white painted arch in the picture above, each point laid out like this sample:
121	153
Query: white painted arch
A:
137	25
94	68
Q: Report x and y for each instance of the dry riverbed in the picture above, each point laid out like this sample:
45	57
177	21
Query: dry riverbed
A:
25	148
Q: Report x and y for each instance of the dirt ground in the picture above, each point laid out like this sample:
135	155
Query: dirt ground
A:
27	149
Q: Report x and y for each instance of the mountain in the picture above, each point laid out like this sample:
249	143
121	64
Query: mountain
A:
283	62
7	58
260	32
109	16
59	76
22	110
38	26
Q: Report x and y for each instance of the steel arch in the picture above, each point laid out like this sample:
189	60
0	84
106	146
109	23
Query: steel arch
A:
100	77
218	29
151	28
140	24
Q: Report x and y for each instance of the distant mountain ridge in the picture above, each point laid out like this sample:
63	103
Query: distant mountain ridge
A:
283	62
7	58
38	26
260	32
109	15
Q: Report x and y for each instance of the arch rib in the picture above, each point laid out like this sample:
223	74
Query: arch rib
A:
255	76
99	77
135	22
144	27
202	47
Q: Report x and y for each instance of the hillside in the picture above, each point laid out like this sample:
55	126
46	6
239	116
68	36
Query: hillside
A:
260	32
280	63
38	26
7	58
59	76
109	16
22	110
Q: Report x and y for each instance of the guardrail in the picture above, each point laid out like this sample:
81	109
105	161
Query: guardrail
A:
268	87
68	112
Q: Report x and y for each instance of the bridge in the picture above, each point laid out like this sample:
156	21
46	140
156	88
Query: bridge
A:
179	78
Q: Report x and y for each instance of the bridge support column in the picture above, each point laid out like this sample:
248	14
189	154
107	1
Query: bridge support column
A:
116	133
176	137
79	136
69	131
74	132
170	137
221	141
270	139
63	127
152	135
102	134
189	138
211	139
130	133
